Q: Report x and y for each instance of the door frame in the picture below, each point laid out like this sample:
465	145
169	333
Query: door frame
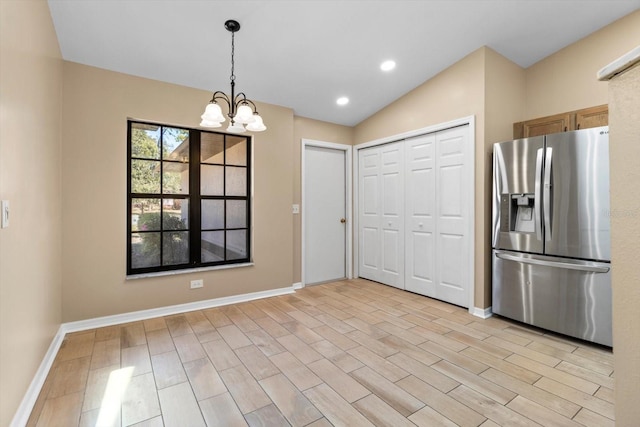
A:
470	121
348	170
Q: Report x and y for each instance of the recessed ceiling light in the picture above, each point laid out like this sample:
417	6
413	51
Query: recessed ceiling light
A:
388	65
342	100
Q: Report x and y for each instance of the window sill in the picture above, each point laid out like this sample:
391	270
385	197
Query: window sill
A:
187	271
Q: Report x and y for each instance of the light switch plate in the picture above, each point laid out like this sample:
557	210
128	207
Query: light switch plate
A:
5	213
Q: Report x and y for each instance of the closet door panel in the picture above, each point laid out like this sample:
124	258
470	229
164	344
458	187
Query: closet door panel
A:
392	218
419	214
369	217
452	216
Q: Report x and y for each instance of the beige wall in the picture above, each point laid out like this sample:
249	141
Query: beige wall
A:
624	121
305	128
30	262
566	80
97	104
504	105
457	92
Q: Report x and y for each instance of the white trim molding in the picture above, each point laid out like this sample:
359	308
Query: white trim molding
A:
23	413
116	319
483	313
298	285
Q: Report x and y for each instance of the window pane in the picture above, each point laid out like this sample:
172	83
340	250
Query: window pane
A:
212	246
175	248
236	244
145	214
145	141
145	250
211	148
236	214
212	214
175	144
175	178
211	180
236	151
236	182
145	176
175	214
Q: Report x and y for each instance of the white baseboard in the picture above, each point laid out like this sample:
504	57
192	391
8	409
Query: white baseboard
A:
99	322
23	413
298	285
483	313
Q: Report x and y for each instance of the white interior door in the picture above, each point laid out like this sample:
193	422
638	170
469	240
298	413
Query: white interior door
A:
324	214
392	219
369	232
381	238
420	182
454	211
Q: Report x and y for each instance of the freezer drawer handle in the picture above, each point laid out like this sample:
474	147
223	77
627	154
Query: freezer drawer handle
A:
569	266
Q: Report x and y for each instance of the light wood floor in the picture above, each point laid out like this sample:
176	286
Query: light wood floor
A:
349	353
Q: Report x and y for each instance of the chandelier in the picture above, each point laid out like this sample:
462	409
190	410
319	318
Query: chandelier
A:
242	111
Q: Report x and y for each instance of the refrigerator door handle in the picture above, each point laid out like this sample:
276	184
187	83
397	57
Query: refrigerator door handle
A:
538	195
566	265
546	198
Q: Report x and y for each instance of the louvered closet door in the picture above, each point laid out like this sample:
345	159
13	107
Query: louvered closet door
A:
453	213
420	215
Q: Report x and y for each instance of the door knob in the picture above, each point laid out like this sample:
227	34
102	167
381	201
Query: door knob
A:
343	220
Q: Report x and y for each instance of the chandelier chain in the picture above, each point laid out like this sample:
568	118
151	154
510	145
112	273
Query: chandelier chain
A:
233	49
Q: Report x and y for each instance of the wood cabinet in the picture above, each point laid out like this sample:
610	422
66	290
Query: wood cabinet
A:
572	120
592	117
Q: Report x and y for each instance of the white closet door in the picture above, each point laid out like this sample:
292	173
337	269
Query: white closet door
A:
381	199
453	213
392	220
369	238
415	212
420	215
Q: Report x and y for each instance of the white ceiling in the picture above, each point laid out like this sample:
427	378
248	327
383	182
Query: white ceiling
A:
304	54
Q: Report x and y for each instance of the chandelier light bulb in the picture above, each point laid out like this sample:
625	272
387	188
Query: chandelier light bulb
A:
257	125
244	115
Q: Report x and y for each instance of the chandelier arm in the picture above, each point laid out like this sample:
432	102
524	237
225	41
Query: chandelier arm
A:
246	100
240	97
219	95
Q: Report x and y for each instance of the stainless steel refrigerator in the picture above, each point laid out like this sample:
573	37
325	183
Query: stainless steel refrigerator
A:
551	235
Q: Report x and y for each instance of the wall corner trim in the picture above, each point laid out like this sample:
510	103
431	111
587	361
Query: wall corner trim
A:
483	313
23	413
298	285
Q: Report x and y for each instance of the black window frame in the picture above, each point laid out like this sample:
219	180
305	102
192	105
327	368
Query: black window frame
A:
194	198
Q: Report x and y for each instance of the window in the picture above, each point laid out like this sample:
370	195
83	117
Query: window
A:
188	198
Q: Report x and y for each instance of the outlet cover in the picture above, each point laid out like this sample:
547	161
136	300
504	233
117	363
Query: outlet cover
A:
195	284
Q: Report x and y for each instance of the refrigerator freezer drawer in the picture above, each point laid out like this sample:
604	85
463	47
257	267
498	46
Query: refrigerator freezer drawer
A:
562	295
